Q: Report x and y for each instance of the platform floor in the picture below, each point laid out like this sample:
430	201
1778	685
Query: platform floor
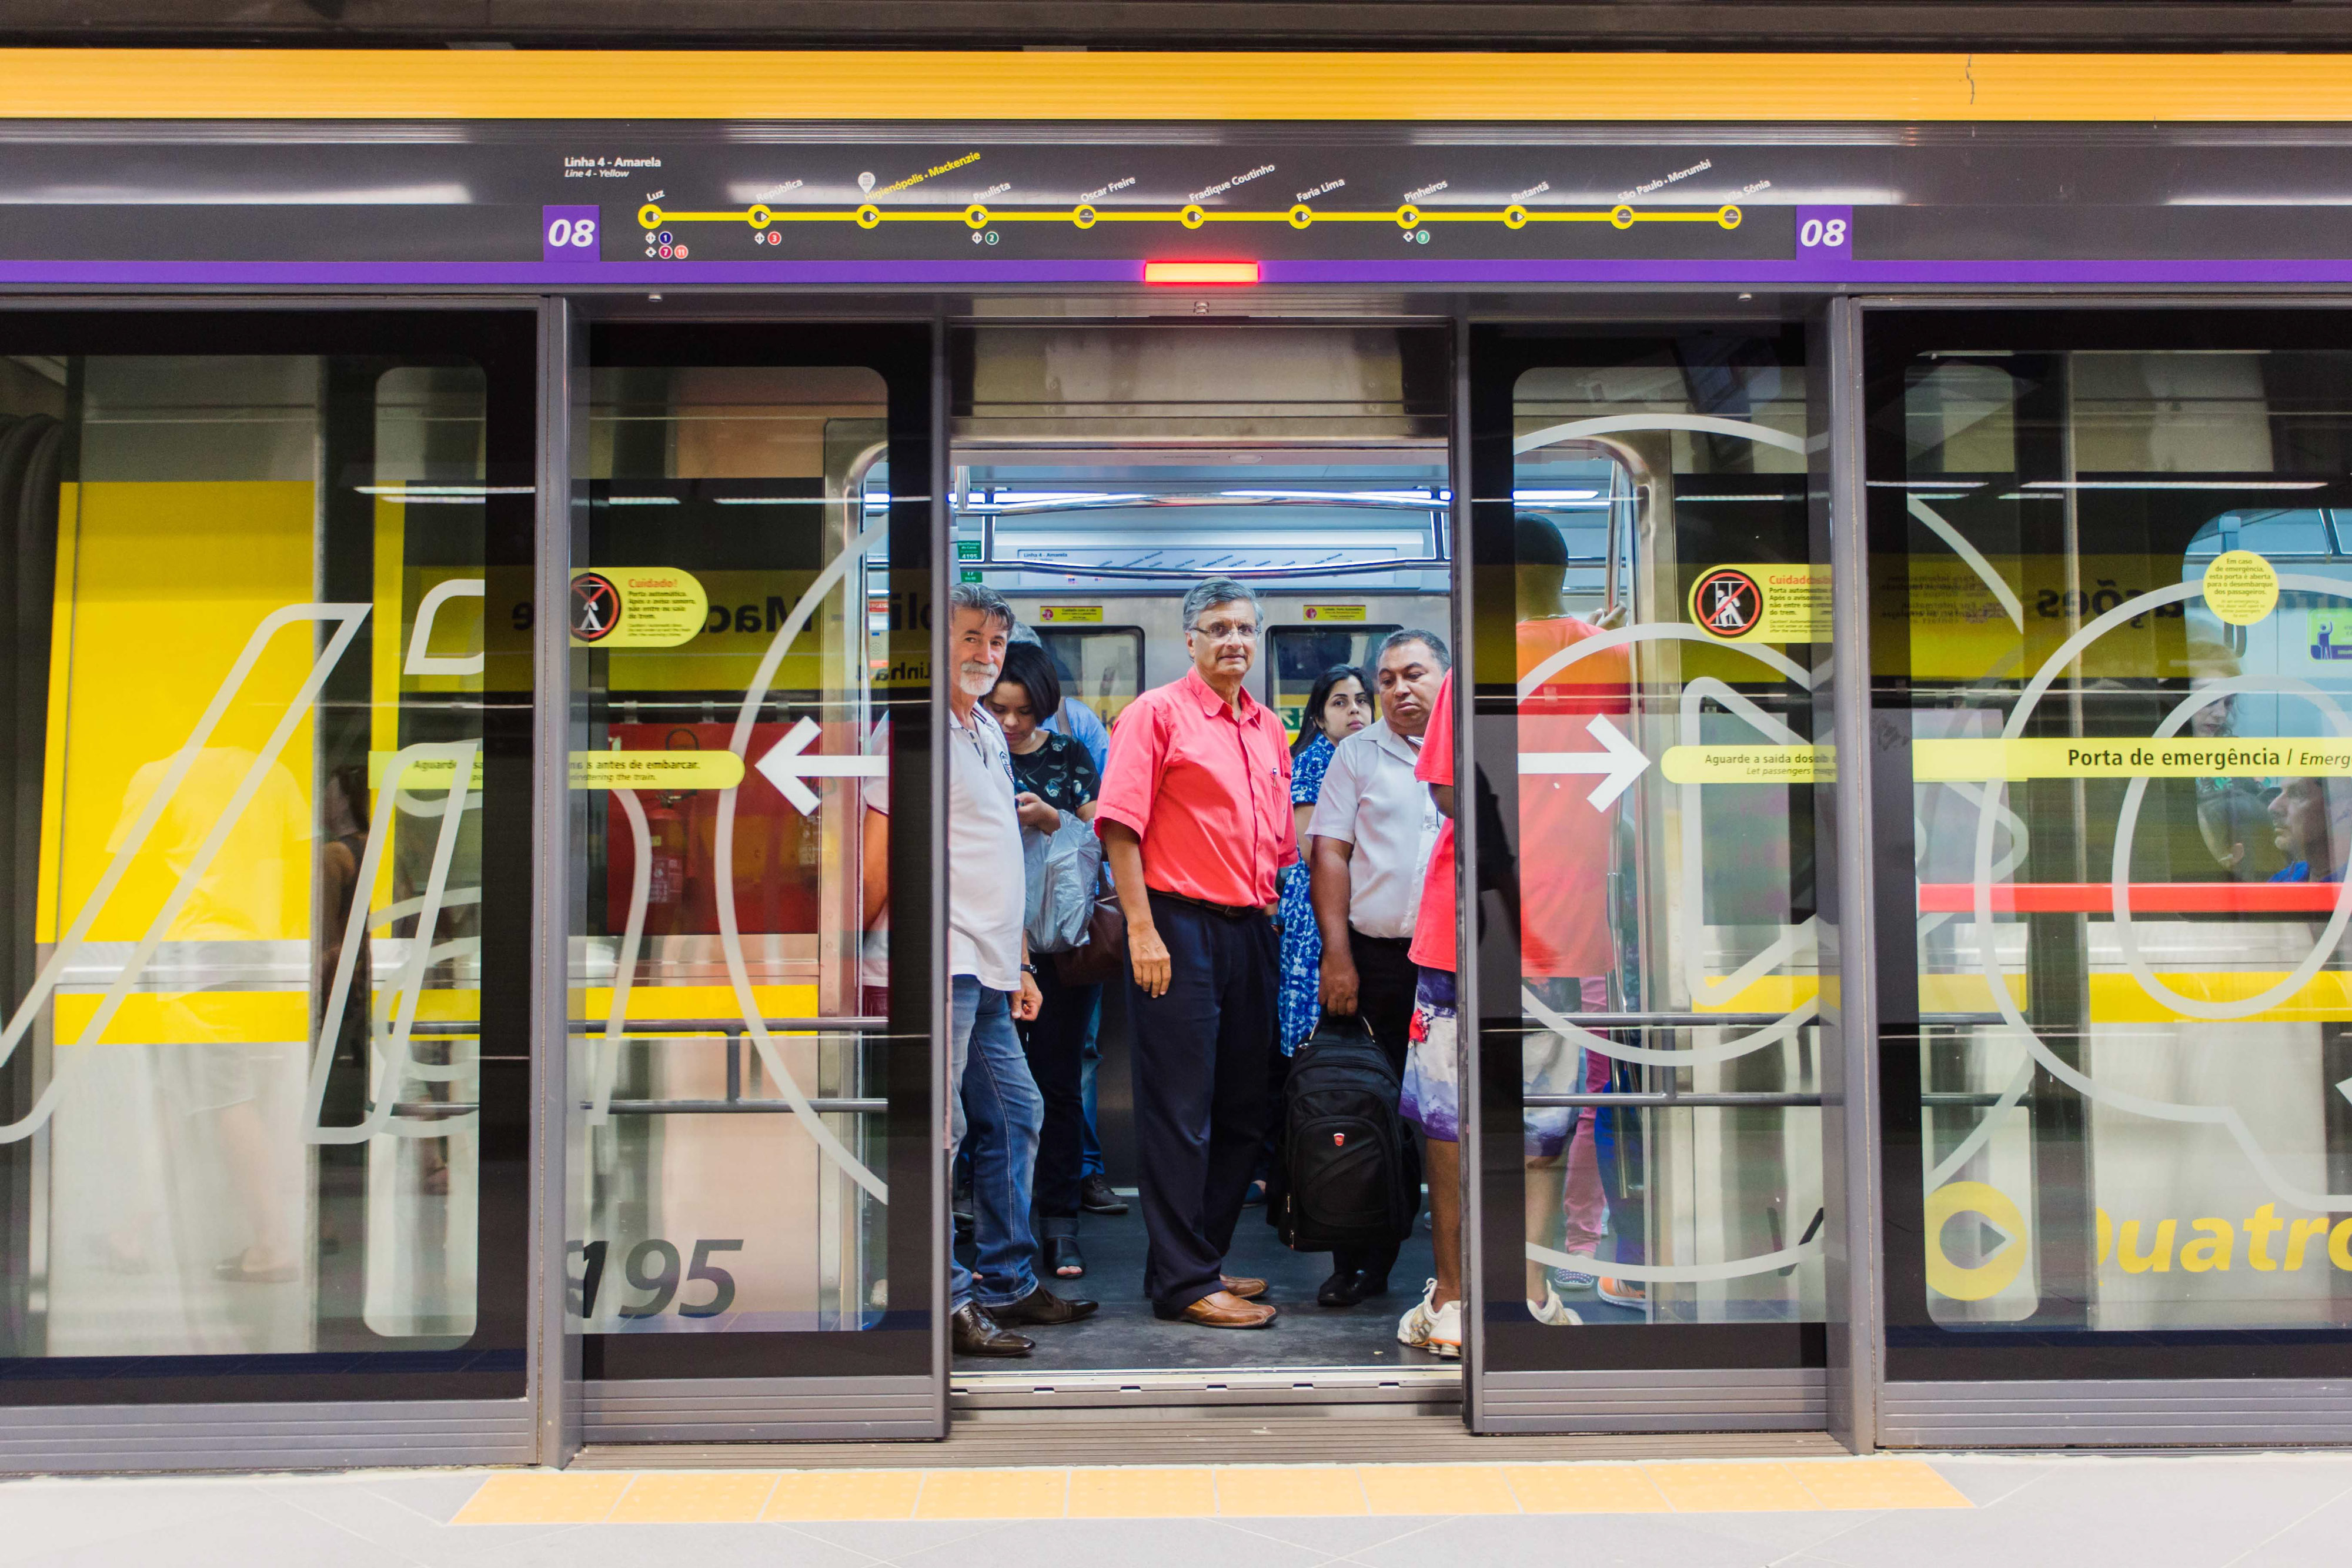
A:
2019	1512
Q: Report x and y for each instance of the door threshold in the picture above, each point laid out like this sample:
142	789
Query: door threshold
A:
1420	1390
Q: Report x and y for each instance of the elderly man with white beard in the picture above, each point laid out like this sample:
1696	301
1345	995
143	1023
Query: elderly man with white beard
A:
994	1101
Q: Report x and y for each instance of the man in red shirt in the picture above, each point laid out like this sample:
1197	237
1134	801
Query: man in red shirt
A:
1565	947
1196	819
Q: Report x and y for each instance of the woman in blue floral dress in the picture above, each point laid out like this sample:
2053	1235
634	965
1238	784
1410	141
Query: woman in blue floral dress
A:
1340	704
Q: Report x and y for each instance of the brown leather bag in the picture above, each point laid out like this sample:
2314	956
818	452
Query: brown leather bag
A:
1102	957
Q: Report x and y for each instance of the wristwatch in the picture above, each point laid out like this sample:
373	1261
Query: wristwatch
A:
1028	969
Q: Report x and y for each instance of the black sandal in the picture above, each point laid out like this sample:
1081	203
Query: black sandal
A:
1063	1260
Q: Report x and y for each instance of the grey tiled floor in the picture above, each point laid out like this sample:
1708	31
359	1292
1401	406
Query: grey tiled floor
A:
2275	1511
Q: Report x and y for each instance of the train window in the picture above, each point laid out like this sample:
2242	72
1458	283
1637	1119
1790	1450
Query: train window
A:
1103	666
738	634
1651	570
2116	1117
270	892
1296	657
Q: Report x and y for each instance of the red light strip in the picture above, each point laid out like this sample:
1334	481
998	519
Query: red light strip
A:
2147	897
1197	272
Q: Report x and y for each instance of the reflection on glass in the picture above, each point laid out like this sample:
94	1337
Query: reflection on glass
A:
244	958
2130	954
1664	836
733	939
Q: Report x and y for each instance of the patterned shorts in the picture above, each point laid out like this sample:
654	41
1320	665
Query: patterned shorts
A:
1548	1064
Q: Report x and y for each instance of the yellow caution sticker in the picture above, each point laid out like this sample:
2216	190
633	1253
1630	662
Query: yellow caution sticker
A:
635	607
590	770
1063	614
656	771
1957	760
1332	613
1750	764
2241	586
1762	603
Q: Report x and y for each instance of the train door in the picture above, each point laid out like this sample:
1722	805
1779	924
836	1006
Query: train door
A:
1097	474
2117	1146
753	1251
1642	1112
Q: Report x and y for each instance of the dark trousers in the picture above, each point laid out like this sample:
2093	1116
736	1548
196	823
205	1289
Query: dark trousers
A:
1385	978
1199	1053
1056	1043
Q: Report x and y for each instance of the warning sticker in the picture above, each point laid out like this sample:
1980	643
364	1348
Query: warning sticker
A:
2241	586
1797	764
635	607
1762	603
590	770
1332	613
1062	614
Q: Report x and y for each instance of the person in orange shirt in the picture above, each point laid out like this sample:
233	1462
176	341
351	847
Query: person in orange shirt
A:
1562	846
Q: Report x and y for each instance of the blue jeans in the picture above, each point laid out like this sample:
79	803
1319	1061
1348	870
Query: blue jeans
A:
996	1108
1091	1164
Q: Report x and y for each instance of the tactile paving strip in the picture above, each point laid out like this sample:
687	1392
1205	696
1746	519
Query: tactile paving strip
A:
1232	1491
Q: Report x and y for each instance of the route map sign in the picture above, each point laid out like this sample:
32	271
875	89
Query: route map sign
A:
530	204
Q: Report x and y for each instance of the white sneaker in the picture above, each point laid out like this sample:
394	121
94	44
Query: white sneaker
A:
1437	1330
1552	1311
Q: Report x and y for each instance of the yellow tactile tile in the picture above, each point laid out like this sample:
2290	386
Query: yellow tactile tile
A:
834	1497
539	1497
1436	1488
1749	1488
1288	1492
1877	1483
1584	1489
1143	1493
693	1497
992	1494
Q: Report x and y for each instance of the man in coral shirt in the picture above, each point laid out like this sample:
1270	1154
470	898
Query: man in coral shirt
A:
1564	846
1196	819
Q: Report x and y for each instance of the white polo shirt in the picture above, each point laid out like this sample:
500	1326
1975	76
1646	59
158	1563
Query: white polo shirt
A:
986	874
1371	800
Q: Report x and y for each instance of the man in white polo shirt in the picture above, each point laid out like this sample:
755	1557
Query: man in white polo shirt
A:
1368	845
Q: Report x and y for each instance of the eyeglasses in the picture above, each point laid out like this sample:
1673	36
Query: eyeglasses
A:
1218	630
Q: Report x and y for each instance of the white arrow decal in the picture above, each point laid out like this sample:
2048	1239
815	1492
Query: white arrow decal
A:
1619	761
786	766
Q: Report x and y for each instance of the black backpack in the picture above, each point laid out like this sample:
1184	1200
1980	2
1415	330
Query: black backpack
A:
1342	1181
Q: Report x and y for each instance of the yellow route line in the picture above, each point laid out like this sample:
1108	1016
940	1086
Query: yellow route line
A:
977	215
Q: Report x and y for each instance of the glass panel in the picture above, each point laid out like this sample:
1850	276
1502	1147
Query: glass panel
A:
1103	669
244	1082
2122	1109
734	955
1298	656
1645	615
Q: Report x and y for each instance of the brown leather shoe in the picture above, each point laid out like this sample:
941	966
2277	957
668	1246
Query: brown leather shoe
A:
1247	1290
1226	1311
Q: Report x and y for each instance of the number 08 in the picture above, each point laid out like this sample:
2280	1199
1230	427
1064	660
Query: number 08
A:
578	233
1815	234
